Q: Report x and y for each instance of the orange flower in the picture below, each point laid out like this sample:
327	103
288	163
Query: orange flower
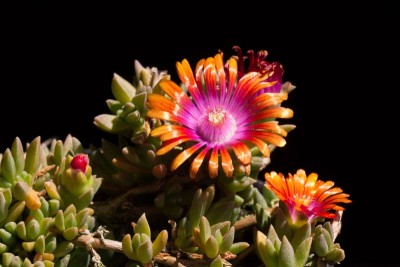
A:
306	194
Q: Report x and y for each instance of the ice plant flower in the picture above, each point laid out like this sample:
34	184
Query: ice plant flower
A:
306	194
222	115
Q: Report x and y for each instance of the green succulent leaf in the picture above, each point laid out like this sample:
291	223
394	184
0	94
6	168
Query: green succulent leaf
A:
8	169
238	247
142	226
211	248
266	250
17	151
302	252
227	241
160	242
217	262
110	123
127	247
205	230
70	233
122	90
32	159
63	248
40	244
300	235
336	255
62	262
144	252
321	246
14	212
286	255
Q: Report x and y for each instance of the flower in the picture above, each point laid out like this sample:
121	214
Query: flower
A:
306	194
223	113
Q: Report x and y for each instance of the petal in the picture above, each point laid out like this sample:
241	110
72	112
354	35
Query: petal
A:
271	138
299	184
244	85
271	126
232	69
226	162
213	163
156	101
276	184
164	129
262	146
176	93
310	183
184	155
170	144
242	152
267	99
275	112
178	132
186	75
162	115
194	167
211	81
219	66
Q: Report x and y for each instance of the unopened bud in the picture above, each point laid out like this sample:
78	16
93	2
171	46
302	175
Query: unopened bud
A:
80	162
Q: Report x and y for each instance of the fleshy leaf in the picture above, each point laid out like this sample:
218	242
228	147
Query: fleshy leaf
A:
286	255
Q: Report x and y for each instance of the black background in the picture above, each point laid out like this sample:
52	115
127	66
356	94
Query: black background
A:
57	64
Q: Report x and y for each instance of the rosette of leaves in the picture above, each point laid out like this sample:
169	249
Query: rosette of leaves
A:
289	252
38	222
133	159
217	239
207	228
74	182
128	109
322	252
139	247
328	252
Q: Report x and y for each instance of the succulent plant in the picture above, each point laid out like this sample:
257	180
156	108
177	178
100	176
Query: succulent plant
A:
323	245
139	247
44	197
133	160
186	156
217	239
276	252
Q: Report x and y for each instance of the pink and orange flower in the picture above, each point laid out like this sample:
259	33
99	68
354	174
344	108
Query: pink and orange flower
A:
306	194
222	116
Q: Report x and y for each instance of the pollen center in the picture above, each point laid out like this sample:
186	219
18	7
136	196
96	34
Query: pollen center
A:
217	125
216	116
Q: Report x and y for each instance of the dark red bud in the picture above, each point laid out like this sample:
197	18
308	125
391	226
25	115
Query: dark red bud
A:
79	162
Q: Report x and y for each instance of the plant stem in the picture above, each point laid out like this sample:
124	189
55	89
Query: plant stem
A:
246	222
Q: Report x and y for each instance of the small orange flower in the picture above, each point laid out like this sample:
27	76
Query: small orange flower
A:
306	194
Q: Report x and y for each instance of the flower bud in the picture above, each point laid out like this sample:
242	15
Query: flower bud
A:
80	162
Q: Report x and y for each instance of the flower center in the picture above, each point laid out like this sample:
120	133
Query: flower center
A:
216	125
216	116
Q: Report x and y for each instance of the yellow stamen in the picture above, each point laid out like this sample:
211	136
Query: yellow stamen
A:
216	116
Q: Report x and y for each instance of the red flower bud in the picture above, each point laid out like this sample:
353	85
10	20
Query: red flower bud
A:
79	162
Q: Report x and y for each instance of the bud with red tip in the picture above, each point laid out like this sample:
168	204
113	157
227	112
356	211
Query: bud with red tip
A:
80	162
